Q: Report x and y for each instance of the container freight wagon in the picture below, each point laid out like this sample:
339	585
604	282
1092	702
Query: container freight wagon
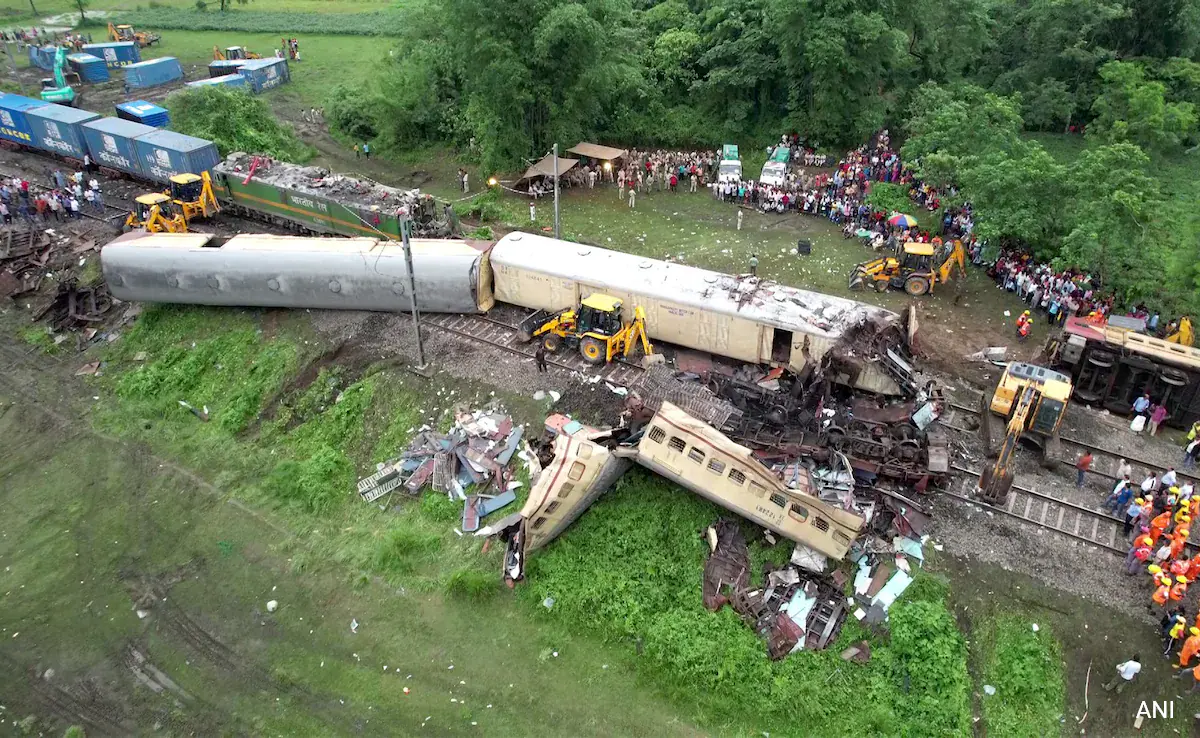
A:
14	126
116	54
91	69
111	143
153	72
58	129
140	111
225	80
265	74
222	67
163	154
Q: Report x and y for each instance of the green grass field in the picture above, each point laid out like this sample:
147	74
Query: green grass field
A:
17	12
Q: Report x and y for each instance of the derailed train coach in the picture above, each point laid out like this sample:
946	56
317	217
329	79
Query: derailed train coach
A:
453	276
748	319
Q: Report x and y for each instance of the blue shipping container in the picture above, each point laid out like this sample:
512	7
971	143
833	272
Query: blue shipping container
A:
220	68
42	57
163	154
116	54
225	80
13	123
153	72
56	129
140	111
264	74
90	68
110	142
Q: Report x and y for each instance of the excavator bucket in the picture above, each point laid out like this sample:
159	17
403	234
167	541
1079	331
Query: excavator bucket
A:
858	278
994	487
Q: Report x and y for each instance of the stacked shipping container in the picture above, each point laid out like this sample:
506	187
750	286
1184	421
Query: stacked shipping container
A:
14	125
140	111
57	128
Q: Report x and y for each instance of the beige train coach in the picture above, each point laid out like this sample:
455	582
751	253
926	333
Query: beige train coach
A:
745	319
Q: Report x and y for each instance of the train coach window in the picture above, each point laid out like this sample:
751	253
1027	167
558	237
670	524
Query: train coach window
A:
716	466
677	444
576	472
551	508
565	490
737	476
539	523
696	455
798	512
777	498
657	434
821	524
841	538
758	489
585	451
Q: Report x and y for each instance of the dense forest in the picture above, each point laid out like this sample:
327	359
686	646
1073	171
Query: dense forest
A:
960	82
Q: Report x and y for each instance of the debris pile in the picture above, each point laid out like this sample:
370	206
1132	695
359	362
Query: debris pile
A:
473	456
884	570
797	608
41	268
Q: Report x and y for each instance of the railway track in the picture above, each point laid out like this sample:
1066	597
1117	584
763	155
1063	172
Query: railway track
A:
1105	459
112	212
501	335
1049	512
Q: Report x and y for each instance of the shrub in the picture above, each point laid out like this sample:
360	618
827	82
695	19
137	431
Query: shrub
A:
472	584
403	547
930	657
235	120
1026	669
313	484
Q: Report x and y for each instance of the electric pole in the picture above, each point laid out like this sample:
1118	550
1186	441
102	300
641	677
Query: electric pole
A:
557	231
405	225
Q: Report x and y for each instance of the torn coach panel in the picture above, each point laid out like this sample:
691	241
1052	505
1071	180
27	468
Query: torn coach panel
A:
698	457
581	471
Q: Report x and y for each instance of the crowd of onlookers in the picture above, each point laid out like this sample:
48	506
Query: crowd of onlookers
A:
40	37
66	199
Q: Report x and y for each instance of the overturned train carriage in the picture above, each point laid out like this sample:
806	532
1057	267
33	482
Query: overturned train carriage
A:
453	276
740	318
693	454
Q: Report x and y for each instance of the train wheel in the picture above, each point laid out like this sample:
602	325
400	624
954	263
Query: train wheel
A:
551	342
916	285
593	351
1173	377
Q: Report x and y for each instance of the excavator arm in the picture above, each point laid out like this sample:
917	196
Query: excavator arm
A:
957	257
995	482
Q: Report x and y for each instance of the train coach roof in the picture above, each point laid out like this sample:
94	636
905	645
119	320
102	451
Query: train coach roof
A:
350	191
762	301
298	244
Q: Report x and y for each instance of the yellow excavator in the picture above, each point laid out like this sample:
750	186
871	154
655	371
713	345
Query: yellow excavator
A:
1033	400
156	213
916	269
595	327
126	33
193	194
233	53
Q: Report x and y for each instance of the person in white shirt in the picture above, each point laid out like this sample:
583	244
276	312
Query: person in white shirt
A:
1168	478
1125	674
1124	469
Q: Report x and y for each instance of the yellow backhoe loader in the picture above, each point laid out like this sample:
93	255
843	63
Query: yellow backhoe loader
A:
126	33
916	269
233	53
595	327
1033	400
193	194
156	213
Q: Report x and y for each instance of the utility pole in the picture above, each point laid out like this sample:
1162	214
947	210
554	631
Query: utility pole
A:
405	225
557	231
12	63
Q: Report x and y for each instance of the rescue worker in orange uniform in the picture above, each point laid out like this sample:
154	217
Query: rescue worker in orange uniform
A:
1177	630
1178	541
1163	592
1193	570
1178	589
1190	648
1023	324
1159	524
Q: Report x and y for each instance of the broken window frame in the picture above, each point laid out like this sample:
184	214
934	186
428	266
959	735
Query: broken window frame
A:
798	512
777	499
716	466
576	471
565	490
695	455
737	476
677	444
656	434
821	524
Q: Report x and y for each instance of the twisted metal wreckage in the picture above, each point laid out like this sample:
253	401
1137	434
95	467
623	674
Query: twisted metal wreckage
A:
797	455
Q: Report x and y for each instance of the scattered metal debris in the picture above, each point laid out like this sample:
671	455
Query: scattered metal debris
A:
474	455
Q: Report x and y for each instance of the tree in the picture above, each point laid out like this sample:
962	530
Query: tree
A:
889	197
839	56
1111	204
33	7
949	128
1133	108
1016	196
81	4
226	3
